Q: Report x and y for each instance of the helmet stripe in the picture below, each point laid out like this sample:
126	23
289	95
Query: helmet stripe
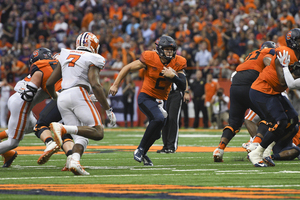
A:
84	35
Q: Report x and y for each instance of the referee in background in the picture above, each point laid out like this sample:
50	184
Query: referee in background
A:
173	108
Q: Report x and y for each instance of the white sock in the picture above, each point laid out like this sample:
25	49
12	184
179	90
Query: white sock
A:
71	129
252	138
260	149
76	156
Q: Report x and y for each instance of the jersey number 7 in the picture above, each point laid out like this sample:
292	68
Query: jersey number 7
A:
74	58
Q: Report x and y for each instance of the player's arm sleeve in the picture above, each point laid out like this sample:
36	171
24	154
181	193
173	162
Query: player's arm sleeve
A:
180	80
289	79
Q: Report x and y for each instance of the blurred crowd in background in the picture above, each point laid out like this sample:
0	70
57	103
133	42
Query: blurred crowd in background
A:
213	35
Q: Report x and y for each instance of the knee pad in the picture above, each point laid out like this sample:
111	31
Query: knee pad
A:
279	127
67	137
38	129
262	127
229	132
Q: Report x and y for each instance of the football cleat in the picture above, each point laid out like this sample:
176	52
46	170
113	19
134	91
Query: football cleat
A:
162	151
8	159
51	148
76	168
246	145
269	161
255	157
67	165
260	164
252	146
171	151
138	154
146	160
218	155
58	131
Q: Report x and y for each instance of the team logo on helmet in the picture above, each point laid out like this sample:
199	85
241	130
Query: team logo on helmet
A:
35	53
289	35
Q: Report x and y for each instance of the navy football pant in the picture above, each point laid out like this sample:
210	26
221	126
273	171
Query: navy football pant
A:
149	106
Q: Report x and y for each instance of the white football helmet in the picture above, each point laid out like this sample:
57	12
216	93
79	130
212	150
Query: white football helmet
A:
87	41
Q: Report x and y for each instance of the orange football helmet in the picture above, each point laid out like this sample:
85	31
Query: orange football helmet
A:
87	41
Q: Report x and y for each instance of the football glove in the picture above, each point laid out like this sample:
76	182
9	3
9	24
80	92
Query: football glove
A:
161	107
284	58
111	117
29	92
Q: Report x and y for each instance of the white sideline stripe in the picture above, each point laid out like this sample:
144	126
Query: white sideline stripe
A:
147	169
193	170
262	186
185	135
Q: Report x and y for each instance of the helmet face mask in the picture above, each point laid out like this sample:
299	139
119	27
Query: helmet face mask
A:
293	39
87	41
40	54
164	46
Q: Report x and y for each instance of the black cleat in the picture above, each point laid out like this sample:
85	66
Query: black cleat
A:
268	160
146	160
7	163
162	151
171	151
138	154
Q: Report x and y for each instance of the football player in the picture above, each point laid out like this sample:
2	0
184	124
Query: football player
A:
265	94
29	92
79	70
281	150
246	74
158	77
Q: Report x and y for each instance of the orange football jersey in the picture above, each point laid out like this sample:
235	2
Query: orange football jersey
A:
156	85
46	67
254	60
267	81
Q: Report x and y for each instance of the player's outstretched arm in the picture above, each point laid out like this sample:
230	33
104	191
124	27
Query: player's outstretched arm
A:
284	60
278	66
131	67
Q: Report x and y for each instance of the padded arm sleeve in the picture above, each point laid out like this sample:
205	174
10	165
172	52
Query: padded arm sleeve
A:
290	81
180	81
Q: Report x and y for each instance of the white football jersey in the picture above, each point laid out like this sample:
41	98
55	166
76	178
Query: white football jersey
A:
75	66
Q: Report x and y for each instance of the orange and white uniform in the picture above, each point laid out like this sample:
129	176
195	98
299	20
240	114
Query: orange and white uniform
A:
74	104
22	120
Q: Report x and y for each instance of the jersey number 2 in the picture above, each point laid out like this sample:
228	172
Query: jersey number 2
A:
74	58
252	57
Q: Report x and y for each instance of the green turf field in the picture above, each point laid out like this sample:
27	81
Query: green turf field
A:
182	175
